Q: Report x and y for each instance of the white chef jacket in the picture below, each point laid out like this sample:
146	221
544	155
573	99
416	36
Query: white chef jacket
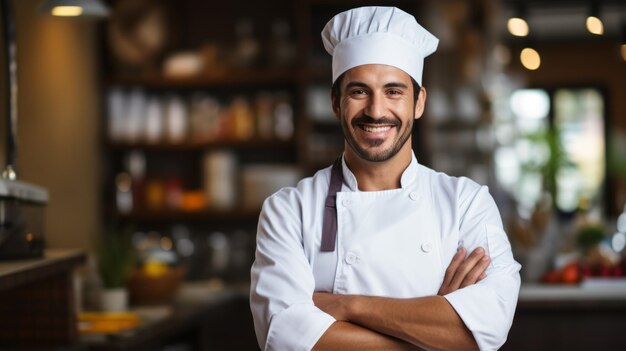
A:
393	243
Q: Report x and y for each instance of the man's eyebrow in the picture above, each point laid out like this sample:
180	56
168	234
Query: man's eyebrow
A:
357	84
354	84
396	85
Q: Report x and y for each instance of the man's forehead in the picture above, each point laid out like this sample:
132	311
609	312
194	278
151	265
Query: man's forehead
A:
376	73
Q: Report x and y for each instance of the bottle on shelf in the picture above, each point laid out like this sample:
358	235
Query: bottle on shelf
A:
177	119
154	125
123	194
281	50
263	111
134	116
283	117
247	47
242	118
136	165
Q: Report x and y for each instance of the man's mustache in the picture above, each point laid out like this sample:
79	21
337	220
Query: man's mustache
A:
365	119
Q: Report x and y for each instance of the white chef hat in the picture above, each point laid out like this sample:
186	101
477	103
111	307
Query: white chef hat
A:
378	35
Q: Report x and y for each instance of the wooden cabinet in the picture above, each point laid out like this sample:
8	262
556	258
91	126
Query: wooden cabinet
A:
37	301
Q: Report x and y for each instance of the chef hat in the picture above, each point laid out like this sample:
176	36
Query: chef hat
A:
378	35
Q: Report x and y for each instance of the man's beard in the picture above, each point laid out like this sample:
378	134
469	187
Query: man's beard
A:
382	155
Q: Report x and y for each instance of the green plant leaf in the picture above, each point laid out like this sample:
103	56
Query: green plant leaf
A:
115	256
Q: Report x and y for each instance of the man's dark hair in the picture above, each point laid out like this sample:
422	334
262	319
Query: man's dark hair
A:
335	90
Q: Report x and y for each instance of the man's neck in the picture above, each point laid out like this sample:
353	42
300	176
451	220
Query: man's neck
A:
377	176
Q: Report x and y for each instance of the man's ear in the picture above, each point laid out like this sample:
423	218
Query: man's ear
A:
421	102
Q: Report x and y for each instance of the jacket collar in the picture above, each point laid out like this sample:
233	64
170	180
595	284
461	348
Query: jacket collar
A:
408	176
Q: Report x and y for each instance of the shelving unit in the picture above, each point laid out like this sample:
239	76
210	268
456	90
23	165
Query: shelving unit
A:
316	140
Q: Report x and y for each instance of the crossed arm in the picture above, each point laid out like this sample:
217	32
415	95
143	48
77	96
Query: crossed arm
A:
375	323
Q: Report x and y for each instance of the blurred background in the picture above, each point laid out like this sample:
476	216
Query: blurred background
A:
158	127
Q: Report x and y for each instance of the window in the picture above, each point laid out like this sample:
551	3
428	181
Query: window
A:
553	142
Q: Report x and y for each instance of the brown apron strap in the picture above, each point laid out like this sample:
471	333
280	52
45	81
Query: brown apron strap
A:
329	226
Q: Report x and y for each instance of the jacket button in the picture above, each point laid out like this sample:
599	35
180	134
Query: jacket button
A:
352	258
346	202
426	247
413	195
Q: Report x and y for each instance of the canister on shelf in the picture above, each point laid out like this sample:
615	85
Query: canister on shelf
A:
220	178
262	180
204	117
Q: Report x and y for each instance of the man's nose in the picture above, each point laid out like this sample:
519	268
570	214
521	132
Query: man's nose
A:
375	106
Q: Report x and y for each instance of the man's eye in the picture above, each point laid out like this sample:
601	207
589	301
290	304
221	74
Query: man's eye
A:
394	92
358	92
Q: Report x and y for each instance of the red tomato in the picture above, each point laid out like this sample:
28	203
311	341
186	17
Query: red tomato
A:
552	277
570	274
605	271
616	271
586	271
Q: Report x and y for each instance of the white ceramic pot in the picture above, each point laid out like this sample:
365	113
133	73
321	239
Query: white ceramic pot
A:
114	299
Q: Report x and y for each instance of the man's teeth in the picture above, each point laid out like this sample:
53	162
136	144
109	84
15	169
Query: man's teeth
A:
376	129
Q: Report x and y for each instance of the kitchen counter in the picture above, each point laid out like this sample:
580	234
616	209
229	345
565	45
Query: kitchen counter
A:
597	290
14	274
204	316
589	316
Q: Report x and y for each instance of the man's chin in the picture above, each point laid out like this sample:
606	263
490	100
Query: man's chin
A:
375	143
375	155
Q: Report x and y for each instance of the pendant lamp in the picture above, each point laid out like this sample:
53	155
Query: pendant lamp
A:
75	8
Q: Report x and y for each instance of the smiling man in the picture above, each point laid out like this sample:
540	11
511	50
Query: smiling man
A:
378	252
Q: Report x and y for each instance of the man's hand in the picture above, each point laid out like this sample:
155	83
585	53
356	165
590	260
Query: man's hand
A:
464	271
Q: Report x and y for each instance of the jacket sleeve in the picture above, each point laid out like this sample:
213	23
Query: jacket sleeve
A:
282	283
487	307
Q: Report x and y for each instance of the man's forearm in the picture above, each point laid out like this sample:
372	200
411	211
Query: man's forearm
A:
429	322
348	336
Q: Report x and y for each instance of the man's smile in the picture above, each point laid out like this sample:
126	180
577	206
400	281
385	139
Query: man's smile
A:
375	129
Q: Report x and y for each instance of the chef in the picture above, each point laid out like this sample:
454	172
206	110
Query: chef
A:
378	252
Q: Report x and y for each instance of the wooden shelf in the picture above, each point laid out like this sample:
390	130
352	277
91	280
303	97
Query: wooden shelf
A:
208	215
191	145
221	78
